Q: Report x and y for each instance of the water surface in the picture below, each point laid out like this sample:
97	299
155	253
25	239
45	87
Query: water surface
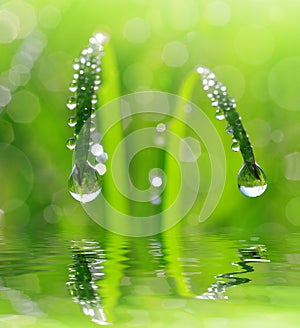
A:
175	279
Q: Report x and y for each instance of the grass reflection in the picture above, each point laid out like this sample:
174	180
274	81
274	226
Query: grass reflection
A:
102	277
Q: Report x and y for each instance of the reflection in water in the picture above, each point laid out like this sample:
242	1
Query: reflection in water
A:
84	272
160	265
256	253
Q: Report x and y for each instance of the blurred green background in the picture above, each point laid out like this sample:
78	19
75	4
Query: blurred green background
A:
252	45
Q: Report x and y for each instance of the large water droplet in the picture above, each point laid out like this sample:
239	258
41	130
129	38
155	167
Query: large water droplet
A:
85	184
252	182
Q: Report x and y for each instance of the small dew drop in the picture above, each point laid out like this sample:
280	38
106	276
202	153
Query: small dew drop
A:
94	99
235	145
72	121
92	127
211	83
252	182
85	184
229	129
219	115
71	103
71	143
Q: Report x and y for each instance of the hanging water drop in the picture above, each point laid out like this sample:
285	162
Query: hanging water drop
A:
73	87
71	143
71	103
235	145
229	129
85	184
252	181
94	99
219	115
72	121
92	127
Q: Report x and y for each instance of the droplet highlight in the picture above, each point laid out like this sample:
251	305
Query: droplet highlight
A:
85	183
252	182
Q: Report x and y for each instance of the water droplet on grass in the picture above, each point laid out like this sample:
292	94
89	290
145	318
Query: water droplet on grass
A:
229	129
71	103
235	145
85	184
252	182
71	143
219	115
72	121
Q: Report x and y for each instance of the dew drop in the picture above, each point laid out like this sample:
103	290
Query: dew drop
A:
252	182
229	129
72	121
94	99
71	103
92	127
71	143
219	115
86	185
235	145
